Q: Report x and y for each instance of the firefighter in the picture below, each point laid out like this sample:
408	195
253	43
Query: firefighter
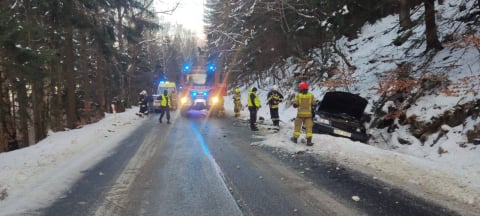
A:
237	102
304	101
253	106
274	98
173	97
142	102
164	106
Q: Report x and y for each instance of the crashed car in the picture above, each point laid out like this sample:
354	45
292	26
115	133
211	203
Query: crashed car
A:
341	114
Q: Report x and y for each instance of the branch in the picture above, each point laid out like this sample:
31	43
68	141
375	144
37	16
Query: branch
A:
169	11
230	37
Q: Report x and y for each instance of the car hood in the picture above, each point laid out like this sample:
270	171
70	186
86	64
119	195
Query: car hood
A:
343	102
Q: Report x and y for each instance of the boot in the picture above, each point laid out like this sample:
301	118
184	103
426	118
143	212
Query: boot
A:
293	139
309	141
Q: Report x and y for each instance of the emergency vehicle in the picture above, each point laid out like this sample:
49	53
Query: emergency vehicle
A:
203	88
171	87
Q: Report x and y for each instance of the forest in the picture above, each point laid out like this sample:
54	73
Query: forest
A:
62	62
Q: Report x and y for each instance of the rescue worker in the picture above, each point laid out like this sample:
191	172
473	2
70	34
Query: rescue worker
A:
173	98
142	102
253	106
304	101
237	102
164	106
274	98
221	106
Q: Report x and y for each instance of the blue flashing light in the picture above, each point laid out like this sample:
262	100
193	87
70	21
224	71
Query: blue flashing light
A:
211	67
205	94
161	81
186	67
194	93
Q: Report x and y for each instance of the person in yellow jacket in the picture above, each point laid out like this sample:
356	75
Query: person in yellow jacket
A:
173	98
237	102
253	106
164	106
304	101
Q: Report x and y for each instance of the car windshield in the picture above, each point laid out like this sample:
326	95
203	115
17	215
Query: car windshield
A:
161	89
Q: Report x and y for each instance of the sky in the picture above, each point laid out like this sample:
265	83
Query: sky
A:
45	170
189	13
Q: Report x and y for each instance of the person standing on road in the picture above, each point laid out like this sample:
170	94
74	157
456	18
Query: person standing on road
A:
304	101
142	102
173	98
150	102
164	106
253	106
237	102
274	98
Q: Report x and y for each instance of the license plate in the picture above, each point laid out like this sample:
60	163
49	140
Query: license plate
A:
342	133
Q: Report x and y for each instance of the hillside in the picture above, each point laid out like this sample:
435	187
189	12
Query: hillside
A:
417	99
424	105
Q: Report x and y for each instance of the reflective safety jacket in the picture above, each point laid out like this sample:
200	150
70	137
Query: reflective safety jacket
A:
253	100
165	101
237	100
305	102
274	98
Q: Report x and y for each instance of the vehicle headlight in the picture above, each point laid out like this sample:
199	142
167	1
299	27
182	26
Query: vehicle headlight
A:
323	121
214	100
183	100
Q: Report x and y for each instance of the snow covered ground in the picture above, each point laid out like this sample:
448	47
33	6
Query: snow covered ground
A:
32	177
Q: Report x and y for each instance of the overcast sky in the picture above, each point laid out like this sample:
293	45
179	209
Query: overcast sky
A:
189	13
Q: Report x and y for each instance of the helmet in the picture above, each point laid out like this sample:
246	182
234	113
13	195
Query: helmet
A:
237	90
303	86
275	87
254	89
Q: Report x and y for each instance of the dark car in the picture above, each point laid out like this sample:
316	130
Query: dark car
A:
341	114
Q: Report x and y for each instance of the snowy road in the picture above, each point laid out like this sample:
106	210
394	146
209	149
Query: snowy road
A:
198	167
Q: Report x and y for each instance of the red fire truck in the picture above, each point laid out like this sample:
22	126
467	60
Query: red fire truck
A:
202	90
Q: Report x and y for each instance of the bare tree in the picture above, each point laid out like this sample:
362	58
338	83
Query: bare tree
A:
404	15
431	26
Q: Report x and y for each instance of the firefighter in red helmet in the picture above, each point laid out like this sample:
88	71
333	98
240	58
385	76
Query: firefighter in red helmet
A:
304	101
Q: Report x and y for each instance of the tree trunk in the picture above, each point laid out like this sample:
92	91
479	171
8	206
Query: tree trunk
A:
85	80
70	78
23	119
38	111
431	26
100	82
121	47
404	15
8	137
55	88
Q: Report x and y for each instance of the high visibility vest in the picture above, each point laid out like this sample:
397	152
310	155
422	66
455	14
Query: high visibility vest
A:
305	103
164	101
255	102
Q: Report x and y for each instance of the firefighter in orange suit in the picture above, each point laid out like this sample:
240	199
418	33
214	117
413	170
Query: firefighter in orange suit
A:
304	101
237	102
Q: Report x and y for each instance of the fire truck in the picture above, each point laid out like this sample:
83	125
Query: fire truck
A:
202	90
